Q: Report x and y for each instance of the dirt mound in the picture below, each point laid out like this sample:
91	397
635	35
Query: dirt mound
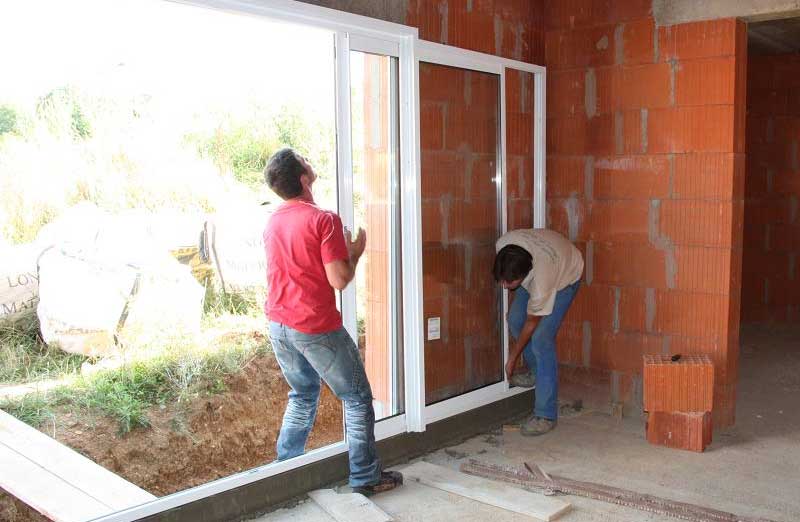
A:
215	436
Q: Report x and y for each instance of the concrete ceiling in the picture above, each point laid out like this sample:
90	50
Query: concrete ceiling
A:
774	36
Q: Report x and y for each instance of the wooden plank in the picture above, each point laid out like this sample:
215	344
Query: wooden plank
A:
486	491
49	495
70	466
348	507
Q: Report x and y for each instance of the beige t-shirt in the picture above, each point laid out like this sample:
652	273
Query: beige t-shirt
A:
557	263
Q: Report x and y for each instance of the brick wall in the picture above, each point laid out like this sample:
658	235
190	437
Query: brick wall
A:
770	278
645	173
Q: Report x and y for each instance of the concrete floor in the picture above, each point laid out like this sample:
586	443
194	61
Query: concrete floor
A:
752	469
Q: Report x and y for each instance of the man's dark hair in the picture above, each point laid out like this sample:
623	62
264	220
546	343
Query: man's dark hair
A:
511	263
283	172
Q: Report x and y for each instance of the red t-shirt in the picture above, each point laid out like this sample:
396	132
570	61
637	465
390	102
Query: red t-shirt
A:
300	238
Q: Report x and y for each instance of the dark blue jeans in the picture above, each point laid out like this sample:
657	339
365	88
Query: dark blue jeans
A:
540	352
334	357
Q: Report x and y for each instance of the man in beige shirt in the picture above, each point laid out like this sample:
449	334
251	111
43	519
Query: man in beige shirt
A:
544	268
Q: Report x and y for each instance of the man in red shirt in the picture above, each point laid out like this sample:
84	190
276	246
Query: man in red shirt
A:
308	255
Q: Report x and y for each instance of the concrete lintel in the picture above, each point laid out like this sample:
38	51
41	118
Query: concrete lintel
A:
672	12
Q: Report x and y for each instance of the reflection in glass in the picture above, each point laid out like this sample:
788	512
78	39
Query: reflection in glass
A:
460	223
374	109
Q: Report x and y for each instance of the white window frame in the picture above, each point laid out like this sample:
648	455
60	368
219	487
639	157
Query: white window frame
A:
354	32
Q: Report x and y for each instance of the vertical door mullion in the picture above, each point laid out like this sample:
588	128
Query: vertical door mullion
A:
411	217
344	167
503	197
539	172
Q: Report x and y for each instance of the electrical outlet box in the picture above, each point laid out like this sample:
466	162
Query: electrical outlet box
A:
434	328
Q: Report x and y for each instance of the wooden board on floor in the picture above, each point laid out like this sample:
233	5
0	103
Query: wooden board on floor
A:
348	507
70	477
486	491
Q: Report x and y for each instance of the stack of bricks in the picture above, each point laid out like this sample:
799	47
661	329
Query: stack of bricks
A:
645	163
679	397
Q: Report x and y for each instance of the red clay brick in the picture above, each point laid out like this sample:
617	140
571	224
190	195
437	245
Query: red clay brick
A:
630	177
431	126
705	270
563	14
622	351
645	86
439	170
691	314
559	215
594	303
520	177
520	214
470	30
569	343
629	265
609	11
633	313
700	223
519	132
704	176
619	221
691	129
688	431
709	81
466	126
697	40
600	139
589	47
631	133
438	83
685	385
638	41
567	94
566	176
567	135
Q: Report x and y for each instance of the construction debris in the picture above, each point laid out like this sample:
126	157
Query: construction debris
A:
533	478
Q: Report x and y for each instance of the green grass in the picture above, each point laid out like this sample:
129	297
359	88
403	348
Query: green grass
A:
24	358
33	409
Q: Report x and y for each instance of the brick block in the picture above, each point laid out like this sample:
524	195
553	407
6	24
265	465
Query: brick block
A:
470	30
697	40
520	176
622	351
594	303
709	81
704	176
442	173
702	316
632	313
567	135
431	125
443	269
600	137
691	129
567	90
567	216
639	41
644	86
700	223
630	136
566	176
767	102
629	265
619	221
688	431
569	343
685	385
630	177
585	47
520	214
700	269
438	83
519	133
470	127
561	14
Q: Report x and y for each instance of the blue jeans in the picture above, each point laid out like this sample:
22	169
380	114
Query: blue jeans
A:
540	352
332	356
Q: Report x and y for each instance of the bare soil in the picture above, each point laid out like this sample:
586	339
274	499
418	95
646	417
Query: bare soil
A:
215	436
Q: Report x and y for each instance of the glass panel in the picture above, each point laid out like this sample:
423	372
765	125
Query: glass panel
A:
520	148
374	108
460	224
123	151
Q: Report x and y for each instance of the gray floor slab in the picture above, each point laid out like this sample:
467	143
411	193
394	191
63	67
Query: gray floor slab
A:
752	469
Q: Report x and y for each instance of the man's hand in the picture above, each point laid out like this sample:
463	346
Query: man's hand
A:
510	365
355	248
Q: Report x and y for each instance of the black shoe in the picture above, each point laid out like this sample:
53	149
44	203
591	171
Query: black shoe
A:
388	481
